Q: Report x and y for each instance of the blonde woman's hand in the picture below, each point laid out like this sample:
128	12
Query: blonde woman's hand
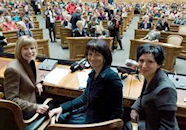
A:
39	88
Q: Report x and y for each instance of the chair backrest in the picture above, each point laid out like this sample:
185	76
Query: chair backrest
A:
11	116
115	124
182	29
175	39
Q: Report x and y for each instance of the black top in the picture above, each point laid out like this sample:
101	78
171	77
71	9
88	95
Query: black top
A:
157	103
102	99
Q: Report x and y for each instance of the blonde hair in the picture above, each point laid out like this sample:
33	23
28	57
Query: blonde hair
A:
22	24
22	42
79	24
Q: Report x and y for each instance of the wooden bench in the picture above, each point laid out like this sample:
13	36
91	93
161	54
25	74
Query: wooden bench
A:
105	24
171	52
139	33
11	36
77	46
65	32
43	48
37	33
155	20
36	24
57	27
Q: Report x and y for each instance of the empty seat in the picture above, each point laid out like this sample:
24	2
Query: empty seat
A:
175	39
182	29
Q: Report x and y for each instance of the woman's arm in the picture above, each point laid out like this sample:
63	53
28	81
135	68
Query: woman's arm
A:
166	104
167	120
116	94
11	88
76	103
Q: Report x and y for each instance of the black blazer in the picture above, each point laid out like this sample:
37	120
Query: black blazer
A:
102	99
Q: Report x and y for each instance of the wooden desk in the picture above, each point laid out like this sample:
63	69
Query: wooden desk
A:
139	33
64	33
43	48
69	87
77	46
171	52
57	28
11	36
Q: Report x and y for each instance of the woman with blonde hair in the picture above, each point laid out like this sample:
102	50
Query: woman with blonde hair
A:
79	31
20	78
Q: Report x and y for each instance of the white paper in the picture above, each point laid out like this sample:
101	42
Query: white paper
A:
82	78
56	75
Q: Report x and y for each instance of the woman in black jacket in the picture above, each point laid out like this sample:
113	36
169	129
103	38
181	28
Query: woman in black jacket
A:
102	98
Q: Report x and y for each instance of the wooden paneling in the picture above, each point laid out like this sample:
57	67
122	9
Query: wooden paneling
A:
57	27
77	46
139	33
43	48
171	52
65	32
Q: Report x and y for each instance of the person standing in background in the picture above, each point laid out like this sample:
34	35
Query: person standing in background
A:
50	23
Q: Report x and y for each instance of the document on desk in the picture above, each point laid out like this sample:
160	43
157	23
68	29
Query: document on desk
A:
56	75
82	78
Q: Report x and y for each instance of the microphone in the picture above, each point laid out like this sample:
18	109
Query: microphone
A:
78	65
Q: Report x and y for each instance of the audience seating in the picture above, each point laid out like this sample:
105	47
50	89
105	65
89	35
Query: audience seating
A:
174	28
105	24
139	33
13	119
182	29
37	33
43	48
77	46
11	36
171	52
175	39
65	32
57	27
115	124
36	24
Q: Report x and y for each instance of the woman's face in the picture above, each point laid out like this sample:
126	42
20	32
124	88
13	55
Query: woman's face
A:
147	65
95	59
28	52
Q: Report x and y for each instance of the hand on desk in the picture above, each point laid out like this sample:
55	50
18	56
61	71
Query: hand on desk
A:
56	111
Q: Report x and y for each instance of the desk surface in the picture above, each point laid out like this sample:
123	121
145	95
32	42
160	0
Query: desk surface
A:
69	86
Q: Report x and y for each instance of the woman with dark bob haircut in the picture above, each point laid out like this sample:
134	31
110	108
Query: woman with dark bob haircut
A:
102	99
157	102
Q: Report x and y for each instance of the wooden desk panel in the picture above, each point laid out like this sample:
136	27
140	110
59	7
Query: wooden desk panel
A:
171	52
77	46
43	48
139	33
64	33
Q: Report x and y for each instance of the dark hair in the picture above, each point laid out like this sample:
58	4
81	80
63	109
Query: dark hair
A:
101	47
156	50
